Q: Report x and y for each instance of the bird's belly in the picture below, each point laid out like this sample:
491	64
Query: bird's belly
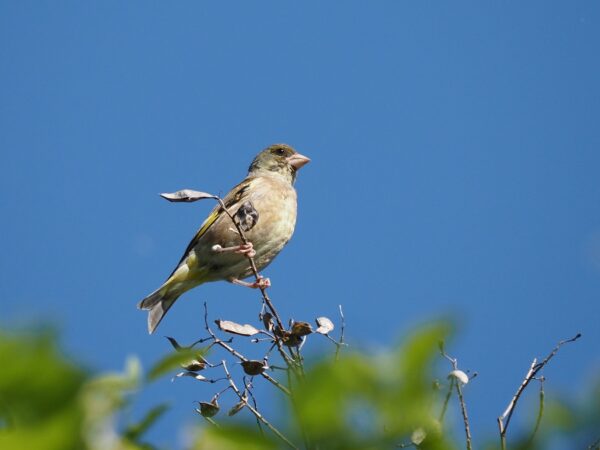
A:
273	229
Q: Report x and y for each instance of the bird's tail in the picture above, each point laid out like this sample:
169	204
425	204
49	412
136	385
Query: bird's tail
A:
158	303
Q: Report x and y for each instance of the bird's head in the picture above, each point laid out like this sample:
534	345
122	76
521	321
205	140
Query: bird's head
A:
279	160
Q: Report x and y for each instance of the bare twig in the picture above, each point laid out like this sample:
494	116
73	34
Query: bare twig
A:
212	422
251	394
531	374
340	343
237	354
253	410
461	399
507	414
463	410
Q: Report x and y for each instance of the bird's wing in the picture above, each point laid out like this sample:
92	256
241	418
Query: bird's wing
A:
236	196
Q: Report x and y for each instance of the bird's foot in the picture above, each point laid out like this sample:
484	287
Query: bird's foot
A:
246	249
243	249
261	283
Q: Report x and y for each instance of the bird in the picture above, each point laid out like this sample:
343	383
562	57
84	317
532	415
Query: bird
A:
264	205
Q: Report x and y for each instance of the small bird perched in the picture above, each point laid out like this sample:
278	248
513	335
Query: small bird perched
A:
264	205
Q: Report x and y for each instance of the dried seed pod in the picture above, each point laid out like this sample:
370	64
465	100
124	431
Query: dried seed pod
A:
325	325
174	343
208	409
195	365
267	320
195	375
253	367
459	375
246	216
301	329
238	406
186	195
278	332
292	340
235	328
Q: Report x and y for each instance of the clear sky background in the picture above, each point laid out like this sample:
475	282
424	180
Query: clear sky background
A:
455	172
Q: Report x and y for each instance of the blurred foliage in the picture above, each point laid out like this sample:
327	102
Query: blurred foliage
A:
39	394
374	402
50	403
361	401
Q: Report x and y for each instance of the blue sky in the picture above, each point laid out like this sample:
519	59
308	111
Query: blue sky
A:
455	157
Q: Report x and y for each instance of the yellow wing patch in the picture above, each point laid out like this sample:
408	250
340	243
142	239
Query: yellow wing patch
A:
206	225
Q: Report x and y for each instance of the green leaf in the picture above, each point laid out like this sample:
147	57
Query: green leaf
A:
38	393
346	404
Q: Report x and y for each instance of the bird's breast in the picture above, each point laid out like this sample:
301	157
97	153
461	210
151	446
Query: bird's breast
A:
276	222
274	204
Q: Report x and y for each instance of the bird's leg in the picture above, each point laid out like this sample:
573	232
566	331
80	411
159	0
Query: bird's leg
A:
261	283
244	249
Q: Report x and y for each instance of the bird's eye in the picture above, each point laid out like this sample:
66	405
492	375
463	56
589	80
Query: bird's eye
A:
280	151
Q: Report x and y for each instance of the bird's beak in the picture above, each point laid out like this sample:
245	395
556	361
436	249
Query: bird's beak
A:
297	160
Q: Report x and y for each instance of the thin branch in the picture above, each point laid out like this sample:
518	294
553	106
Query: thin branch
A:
251	394
531	374
461	399
339	344
237	354
253	410
511	406
212	422
463	410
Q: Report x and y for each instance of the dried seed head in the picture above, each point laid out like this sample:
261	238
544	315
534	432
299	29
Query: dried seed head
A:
238	406
253	367
267	320
301	329
195	365
195	375
186	195
208	409
459	375
235	328
325	325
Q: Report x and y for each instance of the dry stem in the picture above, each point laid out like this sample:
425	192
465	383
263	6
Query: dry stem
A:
531	374
253	410
461	399
237	354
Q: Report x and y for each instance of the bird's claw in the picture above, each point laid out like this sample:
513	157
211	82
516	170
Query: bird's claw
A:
242	249
261	283
246	249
